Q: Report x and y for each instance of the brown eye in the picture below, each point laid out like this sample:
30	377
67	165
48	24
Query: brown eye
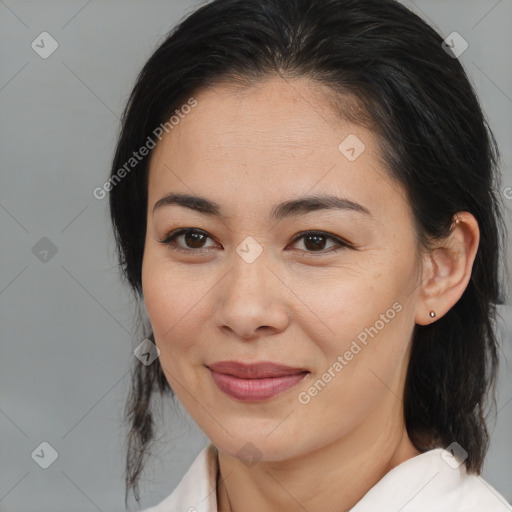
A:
193	239
316	242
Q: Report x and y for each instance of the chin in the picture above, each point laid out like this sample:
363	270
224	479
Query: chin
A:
258	446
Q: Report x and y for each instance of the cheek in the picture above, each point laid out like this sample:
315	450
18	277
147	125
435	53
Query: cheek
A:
176	302
342	304
363	317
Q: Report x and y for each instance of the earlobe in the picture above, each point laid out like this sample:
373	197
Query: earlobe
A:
447	270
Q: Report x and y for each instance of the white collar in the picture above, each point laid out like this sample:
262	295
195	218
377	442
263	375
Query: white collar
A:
430	482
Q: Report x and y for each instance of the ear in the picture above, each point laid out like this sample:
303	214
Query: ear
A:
447	269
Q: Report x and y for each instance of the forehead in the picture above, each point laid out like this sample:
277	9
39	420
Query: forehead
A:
273	138
273	118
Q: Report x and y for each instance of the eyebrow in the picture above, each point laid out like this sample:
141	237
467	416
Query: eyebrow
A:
288	208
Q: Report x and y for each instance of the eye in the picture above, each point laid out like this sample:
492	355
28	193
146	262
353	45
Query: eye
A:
315	242
194	239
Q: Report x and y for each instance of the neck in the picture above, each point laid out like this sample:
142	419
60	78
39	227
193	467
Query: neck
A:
340	472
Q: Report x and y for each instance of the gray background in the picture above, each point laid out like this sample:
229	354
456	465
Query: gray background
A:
67	324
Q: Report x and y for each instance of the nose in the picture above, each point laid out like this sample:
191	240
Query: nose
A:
251	300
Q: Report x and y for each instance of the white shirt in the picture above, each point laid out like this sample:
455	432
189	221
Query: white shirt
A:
433	481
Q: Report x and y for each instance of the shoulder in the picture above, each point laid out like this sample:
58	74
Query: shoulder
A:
197	490
434	481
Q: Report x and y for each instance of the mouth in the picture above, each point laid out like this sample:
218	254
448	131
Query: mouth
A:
255	381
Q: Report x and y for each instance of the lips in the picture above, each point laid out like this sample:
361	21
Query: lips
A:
260	370
255	381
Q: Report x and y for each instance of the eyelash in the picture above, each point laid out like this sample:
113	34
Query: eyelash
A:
171	237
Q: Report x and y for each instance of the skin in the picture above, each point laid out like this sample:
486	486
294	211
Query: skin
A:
248	149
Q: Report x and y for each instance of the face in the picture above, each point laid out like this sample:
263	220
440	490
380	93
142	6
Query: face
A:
331	291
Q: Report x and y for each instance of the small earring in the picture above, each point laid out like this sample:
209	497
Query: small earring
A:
432	314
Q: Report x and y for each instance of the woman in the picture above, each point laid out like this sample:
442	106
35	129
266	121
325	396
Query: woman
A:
304	199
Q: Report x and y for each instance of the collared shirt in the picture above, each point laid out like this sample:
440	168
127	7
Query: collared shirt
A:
434	481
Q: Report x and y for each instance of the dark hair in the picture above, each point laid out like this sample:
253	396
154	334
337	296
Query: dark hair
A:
388	71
